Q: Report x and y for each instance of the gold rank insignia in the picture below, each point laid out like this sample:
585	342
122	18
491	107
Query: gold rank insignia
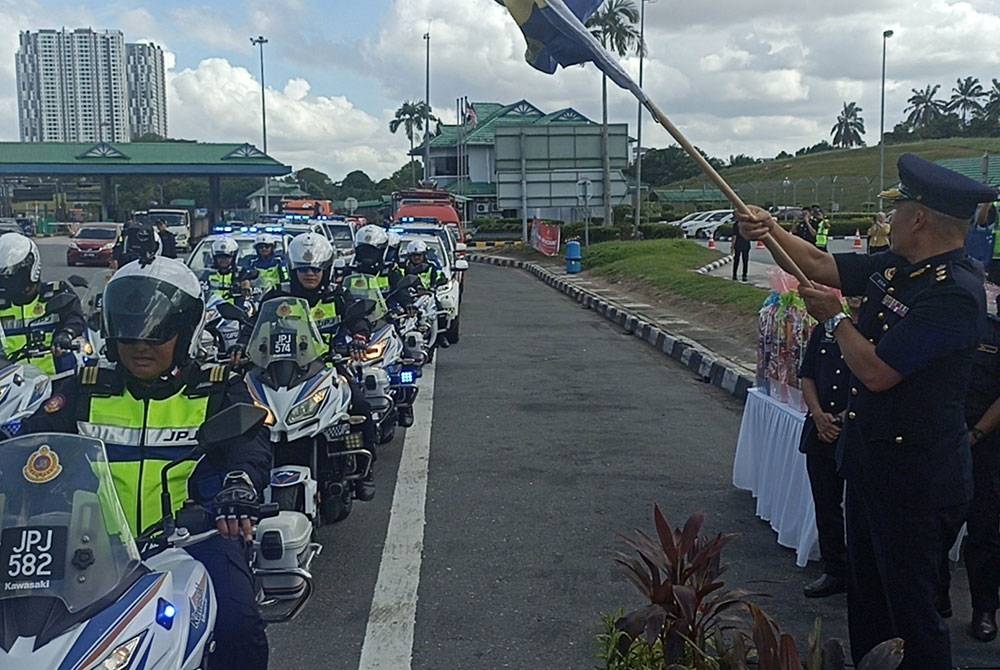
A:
42	466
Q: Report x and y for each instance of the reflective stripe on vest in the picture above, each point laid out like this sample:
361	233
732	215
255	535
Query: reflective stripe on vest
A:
822	233
141	438
16	318
383	282
270	277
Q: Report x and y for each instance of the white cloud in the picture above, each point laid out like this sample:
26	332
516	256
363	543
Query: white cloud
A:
220	102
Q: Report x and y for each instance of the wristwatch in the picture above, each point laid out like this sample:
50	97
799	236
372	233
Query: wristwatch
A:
976	433
830	325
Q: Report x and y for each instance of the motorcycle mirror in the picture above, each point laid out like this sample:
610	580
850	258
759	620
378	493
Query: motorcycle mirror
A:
358	310
77	281
58	303
461	264
230	424
250	275
231	312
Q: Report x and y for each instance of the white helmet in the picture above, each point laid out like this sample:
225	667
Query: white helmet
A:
370	246
416	247
20	262
154	302
225	246
310	250
372	235
264	238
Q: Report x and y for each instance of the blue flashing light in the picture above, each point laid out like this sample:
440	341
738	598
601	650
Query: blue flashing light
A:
222	229
397	230
406	377
165	613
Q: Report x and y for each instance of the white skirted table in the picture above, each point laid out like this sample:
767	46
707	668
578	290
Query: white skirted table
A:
769	465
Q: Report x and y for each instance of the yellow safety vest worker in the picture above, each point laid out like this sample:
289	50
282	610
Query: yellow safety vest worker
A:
822	233
15	320
142	435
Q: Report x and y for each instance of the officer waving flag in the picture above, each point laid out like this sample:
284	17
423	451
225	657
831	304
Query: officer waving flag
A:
556	35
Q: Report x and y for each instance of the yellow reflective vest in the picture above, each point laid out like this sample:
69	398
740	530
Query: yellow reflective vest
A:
141	436
15	318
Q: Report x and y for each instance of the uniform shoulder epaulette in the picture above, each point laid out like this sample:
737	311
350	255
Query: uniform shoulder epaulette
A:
208	377
50	289
101	380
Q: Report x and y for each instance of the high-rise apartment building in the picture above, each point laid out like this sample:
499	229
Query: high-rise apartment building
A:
147	95
74	86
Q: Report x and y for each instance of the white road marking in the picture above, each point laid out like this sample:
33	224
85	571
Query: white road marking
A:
389	637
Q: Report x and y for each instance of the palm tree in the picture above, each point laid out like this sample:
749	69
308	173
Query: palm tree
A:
924	107
849	128
410	116
991	110
614	27
965	98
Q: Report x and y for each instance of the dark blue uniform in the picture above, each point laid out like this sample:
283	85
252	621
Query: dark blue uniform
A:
905	452
825	366
982	546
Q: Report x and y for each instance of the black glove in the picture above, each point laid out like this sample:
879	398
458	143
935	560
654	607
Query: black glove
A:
63	339
357	345
237	499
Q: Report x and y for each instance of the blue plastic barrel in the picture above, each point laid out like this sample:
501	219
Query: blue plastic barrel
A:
573	257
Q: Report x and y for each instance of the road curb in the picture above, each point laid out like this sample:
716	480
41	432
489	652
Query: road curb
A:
710	367
714	265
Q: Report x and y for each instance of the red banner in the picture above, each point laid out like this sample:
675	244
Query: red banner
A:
545	238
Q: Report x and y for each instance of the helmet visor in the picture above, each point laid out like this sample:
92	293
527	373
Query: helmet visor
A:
141	308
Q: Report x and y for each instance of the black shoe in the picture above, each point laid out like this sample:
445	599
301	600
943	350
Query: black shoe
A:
825	586
405	417
983	626
364	489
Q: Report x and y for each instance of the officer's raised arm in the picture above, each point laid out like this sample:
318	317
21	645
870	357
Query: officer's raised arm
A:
817	265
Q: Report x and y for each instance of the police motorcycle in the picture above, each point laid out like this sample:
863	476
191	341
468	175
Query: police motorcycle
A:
78	352
79	590
223	326
388	374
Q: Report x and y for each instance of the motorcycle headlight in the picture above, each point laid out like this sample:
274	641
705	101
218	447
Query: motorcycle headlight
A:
375	351
121	657
307	408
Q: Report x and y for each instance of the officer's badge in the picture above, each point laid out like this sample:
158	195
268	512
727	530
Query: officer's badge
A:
39	309
54	404
308	256
42	466
284	309
318	314
890	273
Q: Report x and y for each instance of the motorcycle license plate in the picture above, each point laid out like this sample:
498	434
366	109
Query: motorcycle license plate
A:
340	430
283	344
30	556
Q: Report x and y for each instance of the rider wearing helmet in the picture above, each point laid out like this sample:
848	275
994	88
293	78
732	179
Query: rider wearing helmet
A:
221	278
23	303
417	264
147	406
140	242
371	249
310	258
269	266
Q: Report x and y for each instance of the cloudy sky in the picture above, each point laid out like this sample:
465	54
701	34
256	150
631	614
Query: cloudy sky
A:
738	76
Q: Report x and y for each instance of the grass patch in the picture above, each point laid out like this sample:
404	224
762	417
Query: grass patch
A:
669	265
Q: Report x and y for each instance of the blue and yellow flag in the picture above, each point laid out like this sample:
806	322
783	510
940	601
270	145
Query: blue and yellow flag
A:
556	35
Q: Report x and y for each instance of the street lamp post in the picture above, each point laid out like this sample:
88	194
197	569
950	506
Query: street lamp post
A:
427	107
881	126
260	41
638	132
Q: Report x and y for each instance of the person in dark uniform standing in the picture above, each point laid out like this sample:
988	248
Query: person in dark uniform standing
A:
741	253
825	378
168	241
904	449
982	546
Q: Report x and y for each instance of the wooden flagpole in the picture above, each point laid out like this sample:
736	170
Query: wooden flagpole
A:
772	244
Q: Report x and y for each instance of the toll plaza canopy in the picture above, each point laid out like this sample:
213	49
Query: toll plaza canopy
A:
107	160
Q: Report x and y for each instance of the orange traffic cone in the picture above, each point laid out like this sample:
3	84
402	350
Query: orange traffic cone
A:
857	239
760	244
711	241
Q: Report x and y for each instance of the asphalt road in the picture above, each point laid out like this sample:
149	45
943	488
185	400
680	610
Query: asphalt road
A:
550	432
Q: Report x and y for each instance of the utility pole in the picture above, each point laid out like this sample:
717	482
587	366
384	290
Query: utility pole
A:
427	107
260	41
881	126
638	133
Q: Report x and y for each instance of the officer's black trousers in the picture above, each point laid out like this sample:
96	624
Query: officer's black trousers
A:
240	639
828	499
982	546
741	256
894	576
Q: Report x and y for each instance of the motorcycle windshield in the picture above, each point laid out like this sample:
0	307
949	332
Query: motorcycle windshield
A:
62	530
365	287
285	332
